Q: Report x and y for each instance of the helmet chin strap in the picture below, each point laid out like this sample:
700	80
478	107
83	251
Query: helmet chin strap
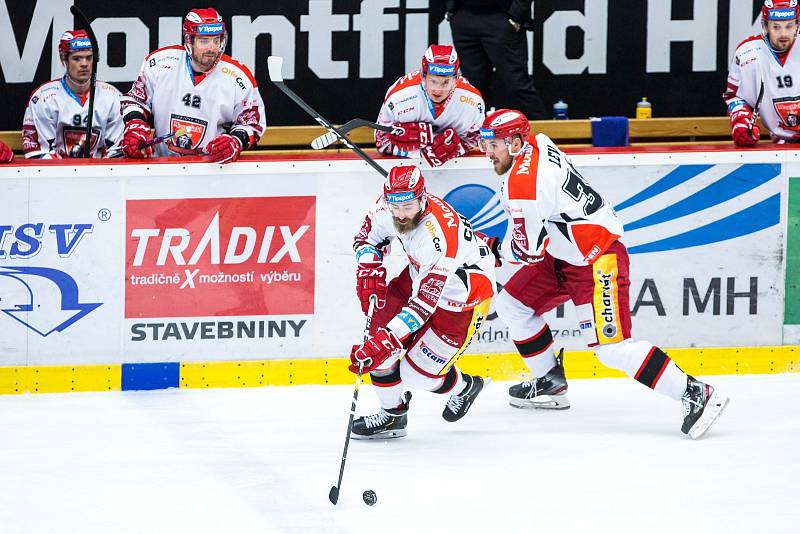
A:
514	154
73	81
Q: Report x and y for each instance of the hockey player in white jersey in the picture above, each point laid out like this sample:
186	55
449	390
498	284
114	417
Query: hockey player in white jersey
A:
568	235
54	125
427	315
764	77
436	113
194	89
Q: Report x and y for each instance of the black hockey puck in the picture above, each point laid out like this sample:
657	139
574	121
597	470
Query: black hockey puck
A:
370	498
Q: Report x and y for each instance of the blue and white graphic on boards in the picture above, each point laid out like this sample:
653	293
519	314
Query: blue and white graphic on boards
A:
52	302
481	205
695	205
689	206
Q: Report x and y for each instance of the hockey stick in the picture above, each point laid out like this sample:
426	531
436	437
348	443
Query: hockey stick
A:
95	57
156	140
275	66
333	495
327	139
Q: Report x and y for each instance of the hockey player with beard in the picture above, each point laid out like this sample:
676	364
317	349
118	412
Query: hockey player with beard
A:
762	78
568	235
54	125
436	111
194	88
427	315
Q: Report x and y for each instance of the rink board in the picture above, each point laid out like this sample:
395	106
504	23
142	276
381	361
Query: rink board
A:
199	275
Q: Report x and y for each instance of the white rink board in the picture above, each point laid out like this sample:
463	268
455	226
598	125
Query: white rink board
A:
332	198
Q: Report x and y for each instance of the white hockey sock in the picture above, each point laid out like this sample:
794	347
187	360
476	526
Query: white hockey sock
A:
646	363
530	332
388	386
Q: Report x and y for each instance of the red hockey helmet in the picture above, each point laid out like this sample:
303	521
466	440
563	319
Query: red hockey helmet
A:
503	124
73	41
404	183
441	60
203	22
780	10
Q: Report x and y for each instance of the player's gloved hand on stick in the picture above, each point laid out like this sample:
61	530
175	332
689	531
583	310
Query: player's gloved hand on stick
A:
445	147
6	155
374	351
224	148
136	133
371	280
494	246
744	130
410	136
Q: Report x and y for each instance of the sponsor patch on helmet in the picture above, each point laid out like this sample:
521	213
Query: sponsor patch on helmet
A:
210	29
80	44
786	13
487	133
400	197
441	70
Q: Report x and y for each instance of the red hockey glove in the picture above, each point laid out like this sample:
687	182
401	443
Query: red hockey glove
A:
494	246
137	132
445	147
374	351
371	280
411	135
6	155
744	130
224	148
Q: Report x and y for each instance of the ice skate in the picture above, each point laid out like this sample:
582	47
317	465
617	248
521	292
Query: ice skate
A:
386	424
701	407
546	393
458	405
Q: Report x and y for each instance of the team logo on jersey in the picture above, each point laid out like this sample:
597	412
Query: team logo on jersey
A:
788	109
74	139
187	143
431	289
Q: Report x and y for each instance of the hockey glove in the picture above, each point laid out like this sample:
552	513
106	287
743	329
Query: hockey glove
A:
410	136
224	148
494	246
375	350
6	155
445	147
137	132
744	130
371	280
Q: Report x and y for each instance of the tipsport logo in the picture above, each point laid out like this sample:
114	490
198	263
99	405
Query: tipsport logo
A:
43	299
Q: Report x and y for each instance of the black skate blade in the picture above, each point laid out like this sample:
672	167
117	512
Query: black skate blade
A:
334	495
389	434
553	402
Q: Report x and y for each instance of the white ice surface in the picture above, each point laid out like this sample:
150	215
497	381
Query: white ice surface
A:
263	460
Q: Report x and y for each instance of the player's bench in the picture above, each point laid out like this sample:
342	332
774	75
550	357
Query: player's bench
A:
677	130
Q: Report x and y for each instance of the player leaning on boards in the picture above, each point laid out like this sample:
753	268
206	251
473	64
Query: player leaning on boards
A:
196	89
54	125
764	78
427	315
568	235
437	111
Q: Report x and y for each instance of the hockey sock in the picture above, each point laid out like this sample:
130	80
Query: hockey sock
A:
530	333
537	351
388	387
646	363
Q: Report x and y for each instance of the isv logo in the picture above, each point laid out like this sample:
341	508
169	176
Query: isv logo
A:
47	299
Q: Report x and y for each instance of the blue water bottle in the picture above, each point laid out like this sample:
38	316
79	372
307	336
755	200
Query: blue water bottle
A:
560	110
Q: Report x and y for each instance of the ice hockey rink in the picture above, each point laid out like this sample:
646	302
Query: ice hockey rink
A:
262	460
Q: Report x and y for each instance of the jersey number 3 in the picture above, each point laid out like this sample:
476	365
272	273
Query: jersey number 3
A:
576	187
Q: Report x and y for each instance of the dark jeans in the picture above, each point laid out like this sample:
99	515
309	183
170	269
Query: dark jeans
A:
487	41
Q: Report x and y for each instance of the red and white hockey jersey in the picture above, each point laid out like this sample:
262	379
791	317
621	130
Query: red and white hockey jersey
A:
206	105
450	267
552	208
754	64
407	101
54	125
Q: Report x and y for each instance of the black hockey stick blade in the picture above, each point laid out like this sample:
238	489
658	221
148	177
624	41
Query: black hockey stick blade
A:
327	139
84	22
275	67
334	495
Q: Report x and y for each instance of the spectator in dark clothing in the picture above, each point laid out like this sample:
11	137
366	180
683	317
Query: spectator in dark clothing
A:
490	34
